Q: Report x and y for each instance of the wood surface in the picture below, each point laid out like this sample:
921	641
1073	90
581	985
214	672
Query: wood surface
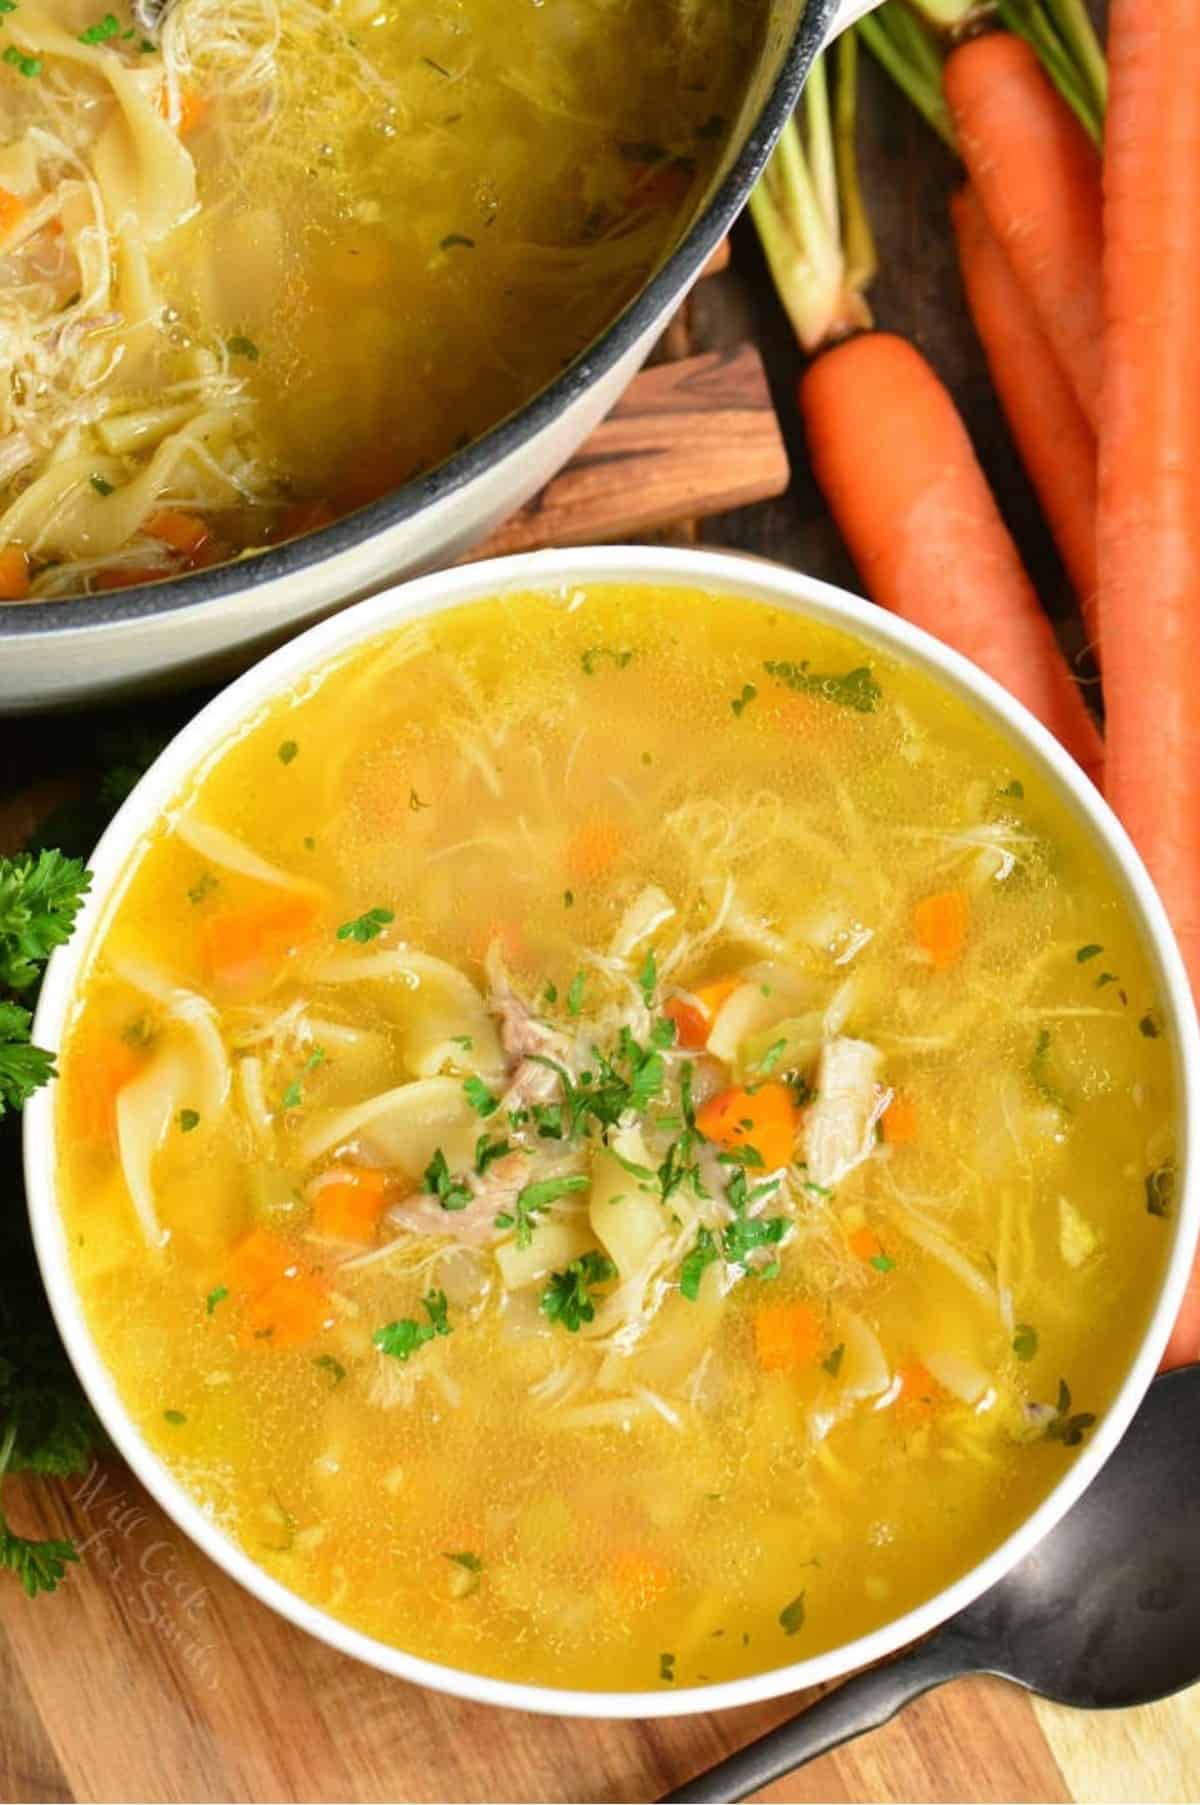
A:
150	1675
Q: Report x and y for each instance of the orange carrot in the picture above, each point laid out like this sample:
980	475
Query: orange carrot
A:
192	108
865	1245
641	1578
899	1121
348	1202
99	1068
919	1391
260	1259
302	517
940	924
242	947
593	849
1038	176
128	576
1056	443
283	1301
694	1018
786	1337
916	512
764	1118
1149	514
14	574
184	533
12	210
1184	1346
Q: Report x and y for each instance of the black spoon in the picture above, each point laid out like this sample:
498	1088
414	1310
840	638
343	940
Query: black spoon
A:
1104	1612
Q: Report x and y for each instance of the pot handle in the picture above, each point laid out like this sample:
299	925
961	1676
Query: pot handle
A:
845	13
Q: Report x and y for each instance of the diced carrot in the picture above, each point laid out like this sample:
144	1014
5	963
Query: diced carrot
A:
302	517
865	1244
184	533
192	108
260	1260
508	932
919	1391
349	1201
667	184
786	1337
692	1023
288	1313
128	576
14	573
12	210
940	924
593	849
243	947
98	1068
764	1117
640	1578
900	1121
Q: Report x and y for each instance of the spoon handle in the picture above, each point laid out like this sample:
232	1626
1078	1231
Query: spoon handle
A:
863	1703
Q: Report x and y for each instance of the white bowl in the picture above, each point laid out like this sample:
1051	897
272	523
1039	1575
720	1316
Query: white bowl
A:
718	574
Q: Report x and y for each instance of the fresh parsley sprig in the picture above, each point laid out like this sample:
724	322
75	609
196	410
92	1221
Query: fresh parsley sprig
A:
567	1298
402	1338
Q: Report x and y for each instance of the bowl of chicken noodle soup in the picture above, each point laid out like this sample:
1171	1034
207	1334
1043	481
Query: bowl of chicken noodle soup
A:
623	1132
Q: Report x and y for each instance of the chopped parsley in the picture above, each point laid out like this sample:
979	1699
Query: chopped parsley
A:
771	1057
240	346
367	926
550	994
648	977
188	1119
855	689
1091	951
29	66
327	1364
568	899
464	1041
1015	789
466	1559
288	751
175	1417
481	1099
415	803
742	702
1148	1025
883	1262
450	1192
1025	1341
833	1360
575	993
535	1198
486	1151
293	1096
568	1296
666	1669
696	1264
214	1298
456	238
400	1340
791	1618
100	485
592	657
205	884
1037	1071
1063	1427
101	31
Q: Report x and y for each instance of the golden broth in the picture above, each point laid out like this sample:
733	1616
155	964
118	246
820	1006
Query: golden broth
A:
819	1379
298	252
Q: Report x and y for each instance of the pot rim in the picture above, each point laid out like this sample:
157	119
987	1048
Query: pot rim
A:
718	574
40	620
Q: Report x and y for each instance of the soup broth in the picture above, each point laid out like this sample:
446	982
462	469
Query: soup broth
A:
617	1138
261	271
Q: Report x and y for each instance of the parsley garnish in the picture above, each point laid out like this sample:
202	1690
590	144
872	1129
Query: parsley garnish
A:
575	993
1037	1071
327	1364
740	703
401	1339
214	1298
1015	789
101	31
594	654
1025	1341
695	1265
1091	951
464	1041
532	1200
28	66
288	751
486	1151
791	1618
568	899
567	1298
453	238
466	1559
855	689
833	1360
175	1417
648	977
451	1193
415	803
550	994
203	886
1160	1190
188	1119
481	1099
771	1057
367	926
1064	1427
1149	1026
666	1669
39	900
883	1262
240	346
100	485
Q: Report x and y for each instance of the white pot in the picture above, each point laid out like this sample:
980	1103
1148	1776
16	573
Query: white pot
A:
716	573
212	621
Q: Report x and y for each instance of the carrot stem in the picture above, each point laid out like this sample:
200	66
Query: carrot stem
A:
818	143
1061	34
857	237
902	46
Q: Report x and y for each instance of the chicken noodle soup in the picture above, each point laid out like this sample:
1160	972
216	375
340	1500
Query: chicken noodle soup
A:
261	269
617	1138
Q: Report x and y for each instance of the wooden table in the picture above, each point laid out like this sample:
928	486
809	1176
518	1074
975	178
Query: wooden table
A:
151	1676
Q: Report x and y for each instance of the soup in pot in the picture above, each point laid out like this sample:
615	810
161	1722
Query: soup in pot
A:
617	1138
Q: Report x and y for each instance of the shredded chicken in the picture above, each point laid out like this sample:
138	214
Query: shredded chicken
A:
522	1034
840	1130
494	1193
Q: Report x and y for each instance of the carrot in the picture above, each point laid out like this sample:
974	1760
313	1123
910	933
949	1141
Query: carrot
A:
12	210
1038	176
641	1578
259	1260
915	510
764	1118
1056	443
348	1202
192	108
865	1245
99	1069
184	533
302	517
940	924
919	1391
900	1121
14	574
283	1301
593	849
242	947
694	1014
1184	1346
1149	512
786	1337
129	575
